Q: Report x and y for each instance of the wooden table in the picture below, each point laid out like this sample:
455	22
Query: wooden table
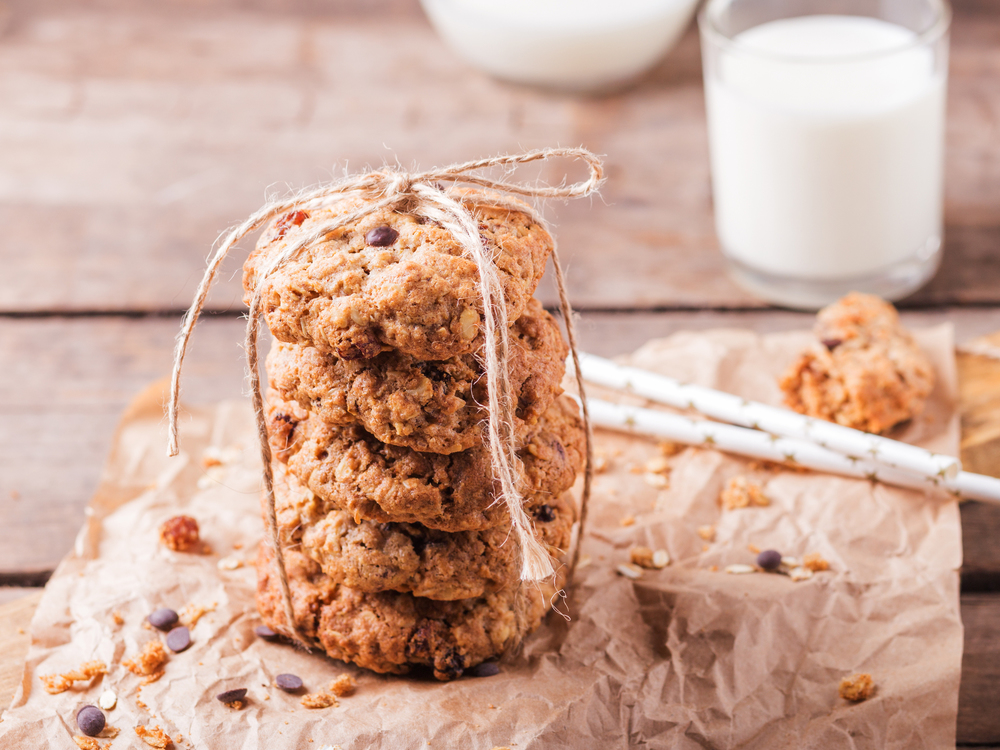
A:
132	133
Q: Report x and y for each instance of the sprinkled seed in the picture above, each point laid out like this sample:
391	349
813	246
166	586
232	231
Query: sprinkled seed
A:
90	720
108	700
382	236
740	569
163	619
800	574
630	571
263	631
769	559
288	682
178	639
486	669
232	696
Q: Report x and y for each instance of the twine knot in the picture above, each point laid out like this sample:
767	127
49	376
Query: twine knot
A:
423	193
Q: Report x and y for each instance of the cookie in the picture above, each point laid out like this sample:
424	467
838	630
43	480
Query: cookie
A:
428	406
391	631
392	280
351	470
372	556
865	371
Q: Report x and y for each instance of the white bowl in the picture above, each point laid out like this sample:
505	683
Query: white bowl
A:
580	45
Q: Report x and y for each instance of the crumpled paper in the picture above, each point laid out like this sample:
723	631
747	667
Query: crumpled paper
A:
684	657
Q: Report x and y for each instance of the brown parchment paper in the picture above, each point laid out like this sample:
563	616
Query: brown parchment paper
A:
682	658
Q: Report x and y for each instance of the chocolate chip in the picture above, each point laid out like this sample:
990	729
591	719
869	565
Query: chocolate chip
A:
163	619
263	631
178	639
832	344
486	669
545	514
769	559
232	696
288	682
382	236
90	720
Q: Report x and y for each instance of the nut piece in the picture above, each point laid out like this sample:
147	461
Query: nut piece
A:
469	323
180	534
108	700
857	687
740	569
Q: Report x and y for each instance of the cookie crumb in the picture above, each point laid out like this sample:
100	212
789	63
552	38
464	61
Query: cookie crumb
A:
86	743
753	549
740	492
194	612
229	563
857	687
668	448
342	686
627	521
319	700
117	618
180	534
601	462
149	662
815	562
656	481
60	683
154	737
707	533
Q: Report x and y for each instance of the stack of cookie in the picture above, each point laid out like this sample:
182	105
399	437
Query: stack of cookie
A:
397	549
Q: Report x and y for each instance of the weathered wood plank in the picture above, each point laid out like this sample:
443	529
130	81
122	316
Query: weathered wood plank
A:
978	720
66	382
135	135
15	617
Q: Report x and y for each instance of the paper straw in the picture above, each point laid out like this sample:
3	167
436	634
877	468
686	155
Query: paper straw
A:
757	444
735	410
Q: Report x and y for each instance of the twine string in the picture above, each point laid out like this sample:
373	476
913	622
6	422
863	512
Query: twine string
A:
416	193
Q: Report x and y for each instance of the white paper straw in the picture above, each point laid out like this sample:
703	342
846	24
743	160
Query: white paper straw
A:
735	410
757	444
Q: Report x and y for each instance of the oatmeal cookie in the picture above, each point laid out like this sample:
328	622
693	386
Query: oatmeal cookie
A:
392	280
392	631
865	372
351	470
372	556
428	406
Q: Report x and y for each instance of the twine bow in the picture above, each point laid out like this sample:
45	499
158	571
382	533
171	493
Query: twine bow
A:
419	194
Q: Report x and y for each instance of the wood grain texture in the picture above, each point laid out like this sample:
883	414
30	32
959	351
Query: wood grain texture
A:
135	134
15	619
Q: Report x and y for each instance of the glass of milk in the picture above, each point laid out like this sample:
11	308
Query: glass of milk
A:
826	134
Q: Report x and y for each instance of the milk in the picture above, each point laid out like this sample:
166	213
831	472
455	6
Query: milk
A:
826	138
568	44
